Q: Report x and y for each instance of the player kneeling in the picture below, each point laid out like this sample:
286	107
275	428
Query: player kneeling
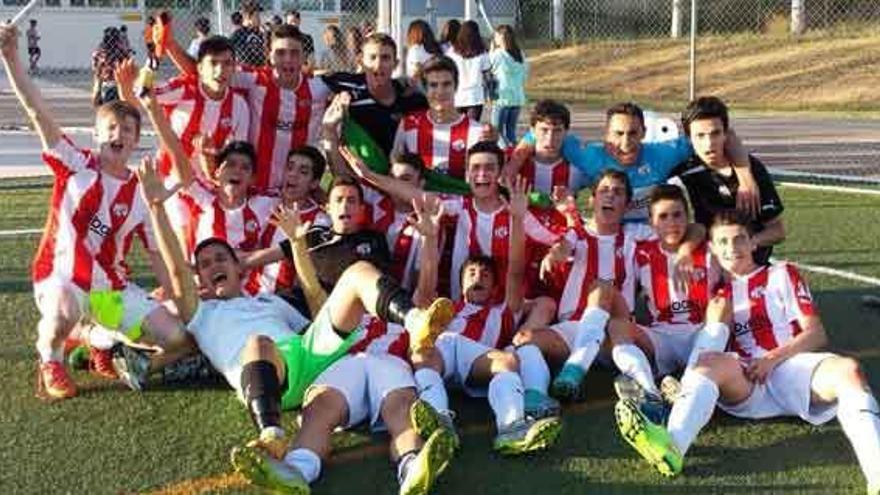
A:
775	371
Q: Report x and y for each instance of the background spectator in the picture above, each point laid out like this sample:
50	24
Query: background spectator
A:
248	41
448	33
354	40
335	58
472	60
203	28
293	18
420	46
509	71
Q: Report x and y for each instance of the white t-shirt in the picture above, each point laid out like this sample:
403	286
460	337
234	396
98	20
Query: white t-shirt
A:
221	328
415	56
470	78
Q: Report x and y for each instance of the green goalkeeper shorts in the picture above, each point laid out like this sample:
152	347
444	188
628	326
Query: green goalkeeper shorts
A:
306	356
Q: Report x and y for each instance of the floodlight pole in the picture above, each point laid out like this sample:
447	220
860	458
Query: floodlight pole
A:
692	76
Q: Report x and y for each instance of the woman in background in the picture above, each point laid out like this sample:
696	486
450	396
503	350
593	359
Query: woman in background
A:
509	70
448	33
472	60
420	46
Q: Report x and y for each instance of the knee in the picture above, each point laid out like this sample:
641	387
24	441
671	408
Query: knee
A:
602	295
398	402
325	407
715	365
849	371
525	336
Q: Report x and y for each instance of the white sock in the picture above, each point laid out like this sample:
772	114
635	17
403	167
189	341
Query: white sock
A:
692	410
712	337
432	389
100	337
533	368
859	416
308	463
403	465
591	334
506	399
413	318
633	363
44	344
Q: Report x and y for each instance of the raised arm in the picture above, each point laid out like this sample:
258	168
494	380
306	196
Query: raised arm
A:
184	292
184	63
428	211
516	263
390	185
28	94
288	220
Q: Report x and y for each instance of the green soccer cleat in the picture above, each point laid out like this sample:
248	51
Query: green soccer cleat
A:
426	420
528	435
651	441
539	405
627	388
261	469
567	384
429	463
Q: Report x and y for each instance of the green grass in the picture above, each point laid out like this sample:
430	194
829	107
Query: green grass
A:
109	440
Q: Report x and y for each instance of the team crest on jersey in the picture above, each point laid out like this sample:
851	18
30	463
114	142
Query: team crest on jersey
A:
723	190
644	170
225	122
459	145
803	293
757	293
363	249
120	210
699	273
251	226
501	232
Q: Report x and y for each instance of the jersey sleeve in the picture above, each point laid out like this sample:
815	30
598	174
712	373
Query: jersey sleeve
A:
538	232
200	193
171	93
639	231
797	297
241	116
65	157
771	204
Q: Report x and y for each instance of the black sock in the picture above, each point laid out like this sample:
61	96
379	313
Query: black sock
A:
262	393
393	302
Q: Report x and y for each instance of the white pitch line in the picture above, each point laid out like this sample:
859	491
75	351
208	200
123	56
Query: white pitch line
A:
13	233
819	187
837	273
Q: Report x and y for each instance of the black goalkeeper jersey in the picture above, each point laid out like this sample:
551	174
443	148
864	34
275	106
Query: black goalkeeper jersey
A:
332	253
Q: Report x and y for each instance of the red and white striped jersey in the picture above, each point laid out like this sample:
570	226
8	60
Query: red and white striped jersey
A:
605	257
281	119
666	303
767	306
240	227
380	337
443	147
192	113
488	234
490	325
280	275
404	241
93	219
545	176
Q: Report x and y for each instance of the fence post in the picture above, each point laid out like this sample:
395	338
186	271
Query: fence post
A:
218	4
692	77
798	16
558	21
431	14
676	19
469	10
383	16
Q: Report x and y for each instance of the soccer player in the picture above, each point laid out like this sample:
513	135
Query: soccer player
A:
598	278
470	352
253	342
95	214
777	368
439	134
711	181
645	164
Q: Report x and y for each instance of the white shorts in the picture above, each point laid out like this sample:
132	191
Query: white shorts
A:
136	302
459	354
672	345
787	392
365	380
567	331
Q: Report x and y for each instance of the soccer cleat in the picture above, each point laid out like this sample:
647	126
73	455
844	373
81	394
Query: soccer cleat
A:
567	384
670	388
628	389
101	363
539	405
528	435
655	408
193	368
273	441
430	323
132	366
650	440
53	382
426	420
261	469
429	463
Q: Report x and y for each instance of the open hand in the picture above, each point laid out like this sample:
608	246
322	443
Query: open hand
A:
427	213
288	220
153	190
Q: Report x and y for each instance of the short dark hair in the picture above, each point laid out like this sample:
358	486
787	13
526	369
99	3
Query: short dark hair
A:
202	25
479	260
439	63
346	181
550	111
213	241
413	161
610	173
214	45
732	217
293	12
236	18
486	147
319	163
239	147
381	39
667	192
120	109
626	108
704	108
287	31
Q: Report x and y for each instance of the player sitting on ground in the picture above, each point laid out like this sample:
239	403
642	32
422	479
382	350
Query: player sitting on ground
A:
441	135
469	353
253	342
776	369
709	175
645	164
675	334
598	279
95	214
